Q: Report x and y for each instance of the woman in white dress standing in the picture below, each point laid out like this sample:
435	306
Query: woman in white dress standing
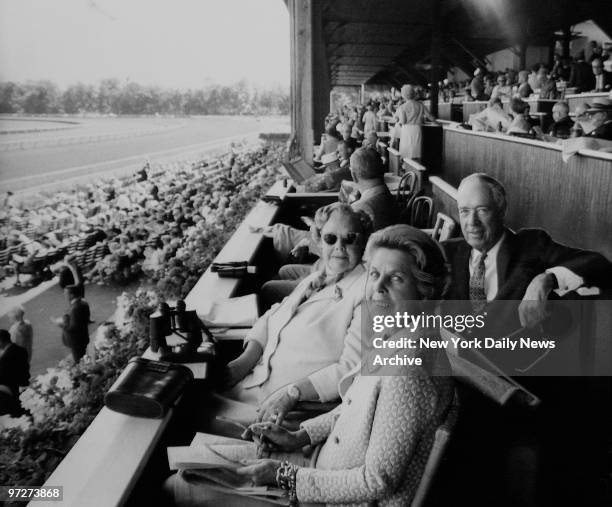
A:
410	116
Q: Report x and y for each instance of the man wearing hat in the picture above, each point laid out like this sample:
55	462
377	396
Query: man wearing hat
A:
600	115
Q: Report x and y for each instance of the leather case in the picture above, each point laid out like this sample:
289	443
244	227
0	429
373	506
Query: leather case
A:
147	388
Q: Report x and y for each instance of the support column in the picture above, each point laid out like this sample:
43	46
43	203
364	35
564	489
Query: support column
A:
565	43
551	51
310	85
522	55
435	56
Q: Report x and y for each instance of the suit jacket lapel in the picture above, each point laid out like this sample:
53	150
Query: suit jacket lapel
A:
287	311
462	271
506	250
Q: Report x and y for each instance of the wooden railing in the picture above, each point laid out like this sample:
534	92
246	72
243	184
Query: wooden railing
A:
570	200
105	464
582	98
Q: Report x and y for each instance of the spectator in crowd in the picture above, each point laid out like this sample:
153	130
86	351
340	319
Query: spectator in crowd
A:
534	76
14	373
561	67
312	338
21	330
491	119
383	111
520	123
335	174
369	121
501	90
548	87
375	198
375	444
8	201
581	76
75	323
489	84
603	79
71	274
410	116
596	51
370	141
562	123
606	58
523	90
123	202
599	114
33	260
329	143
143	174
477	85
346	129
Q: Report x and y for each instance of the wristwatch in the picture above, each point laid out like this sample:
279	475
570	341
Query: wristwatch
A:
293	392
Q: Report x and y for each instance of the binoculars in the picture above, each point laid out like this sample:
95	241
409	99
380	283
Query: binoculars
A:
169	320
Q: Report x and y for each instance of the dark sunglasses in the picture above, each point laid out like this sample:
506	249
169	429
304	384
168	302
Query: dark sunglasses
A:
349	239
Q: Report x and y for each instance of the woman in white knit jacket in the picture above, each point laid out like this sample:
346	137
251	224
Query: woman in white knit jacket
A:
376	443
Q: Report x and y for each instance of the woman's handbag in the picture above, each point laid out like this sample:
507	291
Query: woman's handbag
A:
147	388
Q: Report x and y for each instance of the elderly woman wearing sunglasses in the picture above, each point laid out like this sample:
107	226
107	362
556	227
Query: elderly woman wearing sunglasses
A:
375	444
300	348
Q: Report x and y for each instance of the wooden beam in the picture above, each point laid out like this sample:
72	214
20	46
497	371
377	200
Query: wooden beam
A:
357	49
350	60
338	67
364	11
377	34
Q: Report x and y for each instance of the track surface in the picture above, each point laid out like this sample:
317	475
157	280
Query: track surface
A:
141	139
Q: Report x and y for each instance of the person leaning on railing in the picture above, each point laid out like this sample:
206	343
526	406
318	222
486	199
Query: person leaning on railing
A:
374	445
311	339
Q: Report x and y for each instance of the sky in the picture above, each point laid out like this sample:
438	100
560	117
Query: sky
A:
169	43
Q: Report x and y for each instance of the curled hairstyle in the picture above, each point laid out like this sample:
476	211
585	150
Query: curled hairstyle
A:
429	269
360	217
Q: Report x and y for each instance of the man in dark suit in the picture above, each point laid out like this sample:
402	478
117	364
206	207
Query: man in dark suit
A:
375	198
562	123
74	324
14	372
603	79
525	266
581	76
600	115
509	277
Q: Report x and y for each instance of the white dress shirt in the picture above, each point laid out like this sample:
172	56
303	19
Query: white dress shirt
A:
566	280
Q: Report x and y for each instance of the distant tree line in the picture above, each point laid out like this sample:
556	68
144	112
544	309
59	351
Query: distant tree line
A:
113	97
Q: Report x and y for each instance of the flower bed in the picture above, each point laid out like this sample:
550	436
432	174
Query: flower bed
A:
61	403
